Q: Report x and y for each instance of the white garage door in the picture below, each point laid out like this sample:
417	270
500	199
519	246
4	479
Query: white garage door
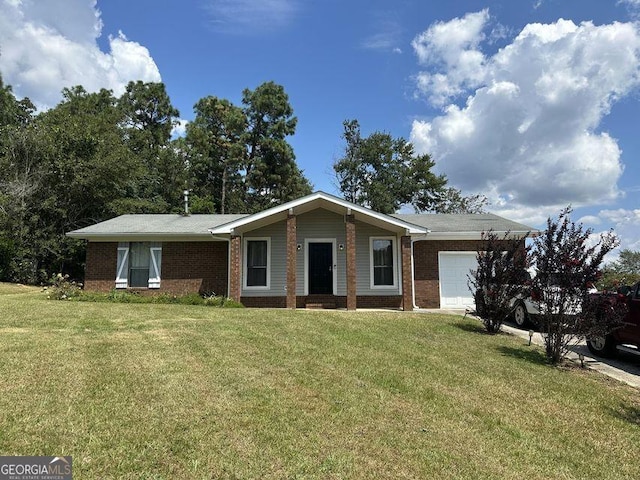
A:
454	268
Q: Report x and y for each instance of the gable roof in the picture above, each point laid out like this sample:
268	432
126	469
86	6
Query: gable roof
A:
312	202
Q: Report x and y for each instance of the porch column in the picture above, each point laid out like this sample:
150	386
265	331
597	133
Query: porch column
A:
292	256
234	268
351	262
407	280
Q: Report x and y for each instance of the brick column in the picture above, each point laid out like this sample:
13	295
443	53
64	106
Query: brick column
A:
351	263
292	255
235	268
407	281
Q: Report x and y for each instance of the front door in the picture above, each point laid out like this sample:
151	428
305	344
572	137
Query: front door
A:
320	268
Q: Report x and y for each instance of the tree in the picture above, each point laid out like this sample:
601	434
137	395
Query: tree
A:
272	175
500	277
384	173
451	200
624	271
218	152
567	266
147	120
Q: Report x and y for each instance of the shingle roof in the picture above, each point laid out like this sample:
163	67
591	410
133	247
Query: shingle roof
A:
149	224
464	223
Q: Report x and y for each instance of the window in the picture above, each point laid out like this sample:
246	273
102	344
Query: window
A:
383	262
257	263
139	265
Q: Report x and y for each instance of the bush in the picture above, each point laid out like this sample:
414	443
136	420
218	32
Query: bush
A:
499	278
123	296
62	288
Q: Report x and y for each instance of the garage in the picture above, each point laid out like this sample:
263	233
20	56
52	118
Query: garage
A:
453	269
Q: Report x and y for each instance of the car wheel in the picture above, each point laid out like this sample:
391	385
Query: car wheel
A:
602	346
520	315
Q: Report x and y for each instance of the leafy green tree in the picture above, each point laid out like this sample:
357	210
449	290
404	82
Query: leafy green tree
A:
384	173
272	175
624	271
148	118
216	139
86	170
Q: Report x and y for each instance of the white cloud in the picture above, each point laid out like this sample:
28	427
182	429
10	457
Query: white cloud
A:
453	46
387	36
527	134
47	46
251	16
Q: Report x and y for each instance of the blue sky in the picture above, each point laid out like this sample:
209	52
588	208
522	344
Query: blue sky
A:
533	103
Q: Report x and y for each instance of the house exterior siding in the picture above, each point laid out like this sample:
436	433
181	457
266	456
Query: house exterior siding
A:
277	233
364	232
322	224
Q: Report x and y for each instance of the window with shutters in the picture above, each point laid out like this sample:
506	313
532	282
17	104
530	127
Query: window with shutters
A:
139	265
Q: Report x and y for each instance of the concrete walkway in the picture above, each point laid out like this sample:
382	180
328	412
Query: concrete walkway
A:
624	368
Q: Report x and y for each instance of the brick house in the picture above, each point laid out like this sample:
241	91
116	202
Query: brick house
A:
318	250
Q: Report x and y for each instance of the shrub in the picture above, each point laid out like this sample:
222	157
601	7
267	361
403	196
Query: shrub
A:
62	288
499	278
123	296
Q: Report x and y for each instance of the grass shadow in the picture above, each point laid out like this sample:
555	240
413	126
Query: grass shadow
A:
627	413
476	328
470	327
531	355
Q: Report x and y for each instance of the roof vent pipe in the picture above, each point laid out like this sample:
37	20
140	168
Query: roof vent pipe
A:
186	202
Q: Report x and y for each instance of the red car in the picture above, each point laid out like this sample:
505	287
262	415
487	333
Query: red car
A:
626	338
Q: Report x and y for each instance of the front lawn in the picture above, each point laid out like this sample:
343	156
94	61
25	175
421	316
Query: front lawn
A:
173	391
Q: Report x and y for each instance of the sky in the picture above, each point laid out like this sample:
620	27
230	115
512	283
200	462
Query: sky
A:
533	103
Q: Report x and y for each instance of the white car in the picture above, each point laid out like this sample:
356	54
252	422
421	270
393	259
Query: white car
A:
525	310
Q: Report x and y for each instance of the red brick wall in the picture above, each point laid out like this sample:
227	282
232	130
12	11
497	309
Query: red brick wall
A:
291	260
407	294
234	266
187	267
364	301
100	272
352	298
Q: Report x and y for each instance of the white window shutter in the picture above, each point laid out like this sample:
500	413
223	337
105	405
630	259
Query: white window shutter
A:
155	266
122	268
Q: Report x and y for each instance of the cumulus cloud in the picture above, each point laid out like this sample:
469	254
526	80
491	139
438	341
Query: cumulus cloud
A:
521	125
47	46
251	16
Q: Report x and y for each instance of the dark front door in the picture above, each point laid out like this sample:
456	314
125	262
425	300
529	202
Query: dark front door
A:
320	268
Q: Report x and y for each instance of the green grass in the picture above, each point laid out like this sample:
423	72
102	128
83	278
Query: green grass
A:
176	391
